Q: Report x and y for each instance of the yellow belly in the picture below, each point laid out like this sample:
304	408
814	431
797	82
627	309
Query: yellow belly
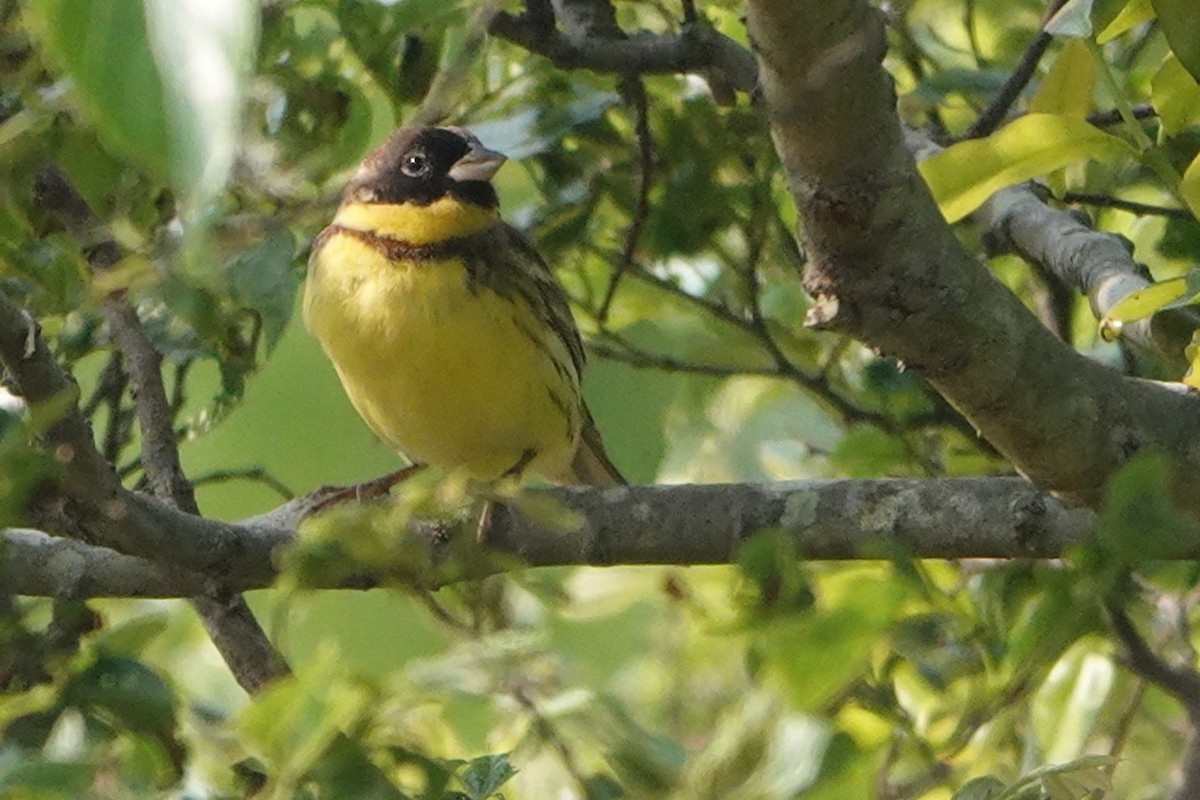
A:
449	374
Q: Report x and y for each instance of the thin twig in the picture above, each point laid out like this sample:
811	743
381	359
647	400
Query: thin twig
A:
257	474
1112	116
545	730
1132	206
635	91
1181	682
991	116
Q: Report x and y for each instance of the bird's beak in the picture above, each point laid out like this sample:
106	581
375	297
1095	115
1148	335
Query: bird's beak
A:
479	163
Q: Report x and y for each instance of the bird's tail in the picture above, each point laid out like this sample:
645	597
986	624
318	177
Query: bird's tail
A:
591	465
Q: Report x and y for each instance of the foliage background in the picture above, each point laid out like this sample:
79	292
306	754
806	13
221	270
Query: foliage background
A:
767	679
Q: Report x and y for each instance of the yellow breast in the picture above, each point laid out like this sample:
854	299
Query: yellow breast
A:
445	370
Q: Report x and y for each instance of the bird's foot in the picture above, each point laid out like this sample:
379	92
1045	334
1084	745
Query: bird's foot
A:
373	489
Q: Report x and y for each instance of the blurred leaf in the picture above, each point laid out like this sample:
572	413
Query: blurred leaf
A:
126	691
24	777
866	451
263	279
118	86
1181	25
824	648
203	51
966	174
769	561
1069	702
297	719
1138	520
984	787
1192	354
482	776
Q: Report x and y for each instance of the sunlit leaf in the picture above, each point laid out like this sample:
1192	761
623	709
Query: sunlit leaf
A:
1154	298
1176	96
1133	12
966	174
1192	353
1067	88
1189	187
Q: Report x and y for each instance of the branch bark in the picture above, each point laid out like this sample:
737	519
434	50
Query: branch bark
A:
885	268
688	524
1099	265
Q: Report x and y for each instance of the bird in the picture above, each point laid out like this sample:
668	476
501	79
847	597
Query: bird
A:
447	329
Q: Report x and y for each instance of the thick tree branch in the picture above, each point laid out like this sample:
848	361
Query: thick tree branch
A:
885	268
690	524
697	48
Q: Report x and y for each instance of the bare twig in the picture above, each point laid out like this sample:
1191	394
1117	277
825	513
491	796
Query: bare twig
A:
635	91
547	733
1112	116
256	474
1132	206
1181	682
991	117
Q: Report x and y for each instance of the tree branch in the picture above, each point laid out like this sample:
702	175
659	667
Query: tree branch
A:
696	48
229	621
885	268
1061	244
688	524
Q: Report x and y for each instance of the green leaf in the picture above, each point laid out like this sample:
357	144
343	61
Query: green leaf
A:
963	176
105	50
1067	88
22	777
1189	187
815	655
1133	12
126	691
484	775
264	280
984	787
1165	294
1138	520
1181	25
1192	353
1175	95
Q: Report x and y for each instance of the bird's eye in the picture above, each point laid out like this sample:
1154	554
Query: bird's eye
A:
414	165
